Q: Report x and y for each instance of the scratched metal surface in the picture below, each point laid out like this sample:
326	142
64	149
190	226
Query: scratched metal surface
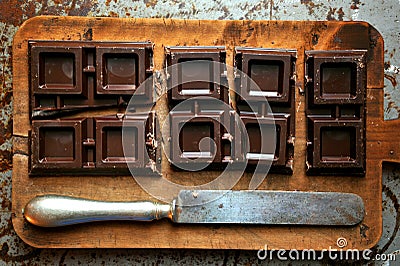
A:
384	15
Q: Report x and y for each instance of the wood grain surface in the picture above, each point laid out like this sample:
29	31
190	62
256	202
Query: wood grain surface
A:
382	138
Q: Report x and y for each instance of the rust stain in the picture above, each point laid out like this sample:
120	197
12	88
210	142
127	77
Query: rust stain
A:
315	34
355	4
150	3
340	13
62	259
88	34
392	79
314	39
331	14
6	160
113	14
224	9
391	104
392	53
73	6
84	8
392	196
233	31
387	65
15	12
65	8
6	105
6	257
363	230
311	6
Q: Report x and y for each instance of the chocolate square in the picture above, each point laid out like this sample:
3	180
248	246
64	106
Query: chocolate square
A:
270	69
55	69
192	137
338	80
335	146
195	139
338	144
120	71
109	142
336	77
196	75
57	144
191	73
268	75
283	150
122	68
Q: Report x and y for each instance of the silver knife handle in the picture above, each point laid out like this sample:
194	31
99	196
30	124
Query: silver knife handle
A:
57	210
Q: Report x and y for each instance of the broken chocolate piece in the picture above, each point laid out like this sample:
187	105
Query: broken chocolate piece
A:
73	74
94	145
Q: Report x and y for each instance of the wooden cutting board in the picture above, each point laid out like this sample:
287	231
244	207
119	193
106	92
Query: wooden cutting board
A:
382	138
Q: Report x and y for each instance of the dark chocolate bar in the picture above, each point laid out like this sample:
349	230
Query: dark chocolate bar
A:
336	86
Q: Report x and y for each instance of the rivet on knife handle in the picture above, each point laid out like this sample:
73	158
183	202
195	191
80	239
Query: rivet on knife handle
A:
206	206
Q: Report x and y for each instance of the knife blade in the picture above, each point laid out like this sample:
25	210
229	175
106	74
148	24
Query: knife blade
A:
205	206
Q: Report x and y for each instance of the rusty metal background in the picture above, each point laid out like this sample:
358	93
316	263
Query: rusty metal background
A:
384	15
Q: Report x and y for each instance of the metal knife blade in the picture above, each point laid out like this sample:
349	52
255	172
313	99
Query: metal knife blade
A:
205	206
269	207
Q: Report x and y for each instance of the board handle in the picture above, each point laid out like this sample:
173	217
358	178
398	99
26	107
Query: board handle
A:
56	210
392	134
